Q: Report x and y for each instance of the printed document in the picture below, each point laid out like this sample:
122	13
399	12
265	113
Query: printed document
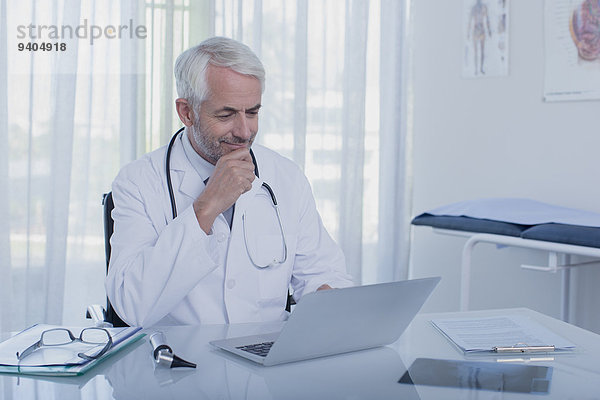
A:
483	334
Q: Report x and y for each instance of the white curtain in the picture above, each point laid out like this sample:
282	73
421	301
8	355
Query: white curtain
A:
395	153
5	253
66	115
336	102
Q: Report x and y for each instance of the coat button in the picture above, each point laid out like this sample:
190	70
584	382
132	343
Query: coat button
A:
230	283
221	238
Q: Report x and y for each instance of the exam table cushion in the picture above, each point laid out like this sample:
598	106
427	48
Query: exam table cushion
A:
523	218
561	233
469	224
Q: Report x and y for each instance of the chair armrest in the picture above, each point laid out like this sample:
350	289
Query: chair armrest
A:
98	315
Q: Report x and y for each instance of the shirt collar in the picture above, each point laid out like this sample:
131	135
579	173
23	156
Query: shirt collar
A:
202	167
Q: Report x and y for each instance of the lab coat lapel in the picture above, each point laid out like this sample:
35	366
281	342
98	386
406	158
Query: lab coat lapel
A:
245	200
241	304
190	184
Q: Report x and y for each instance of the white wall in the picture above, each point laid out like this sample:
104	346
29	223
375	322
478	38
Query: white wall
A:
496	137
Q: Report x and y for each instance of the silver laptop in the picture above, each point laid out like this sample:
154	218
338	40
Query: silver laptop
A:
337	321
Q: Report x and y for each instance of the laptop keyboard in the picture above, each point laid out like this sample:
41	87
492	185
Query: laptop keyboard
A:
260	349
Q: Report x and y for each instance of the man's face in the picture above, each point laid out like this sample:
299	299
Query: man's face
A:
228	117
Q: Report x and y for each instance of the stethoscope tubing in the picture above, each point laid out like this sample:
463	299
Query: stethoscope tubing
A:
168	172
264	184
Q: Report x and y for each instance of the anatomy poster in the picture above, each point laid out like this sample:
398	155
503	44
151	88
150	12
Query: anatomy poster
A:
485	33
572	34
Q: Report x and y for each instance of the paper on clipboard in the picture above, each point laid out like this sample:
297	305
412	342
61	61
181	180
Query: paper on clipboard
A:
473	335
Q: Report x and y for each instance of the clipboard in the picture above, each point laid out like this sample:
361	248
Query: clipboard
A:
57	363
501	335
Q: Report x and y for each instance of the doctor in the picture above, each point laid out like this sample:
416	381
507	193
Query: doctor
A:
217	250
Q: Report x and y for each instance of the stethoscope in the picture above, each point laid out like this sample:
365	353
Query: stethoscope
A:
275	262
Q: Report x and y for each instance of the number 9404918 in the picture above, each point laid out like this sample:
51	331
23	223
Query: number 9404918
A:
44	46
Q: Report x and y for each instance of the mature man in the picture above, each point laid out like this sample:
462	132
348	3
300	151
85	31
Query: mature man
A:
214	248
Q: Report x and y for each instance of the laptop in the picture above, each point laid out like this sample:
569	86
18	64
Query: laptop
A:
337	321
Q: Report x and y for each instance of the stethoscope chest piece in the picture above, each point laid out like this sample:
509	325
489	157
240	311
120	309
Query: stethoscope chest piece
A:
264	236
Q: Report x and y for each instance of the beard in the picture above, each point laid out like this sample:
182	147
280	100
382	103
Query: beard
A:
211	147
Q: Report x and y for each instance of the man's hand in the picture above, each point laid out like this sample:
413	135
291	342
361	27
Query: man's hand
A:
324	287
232	177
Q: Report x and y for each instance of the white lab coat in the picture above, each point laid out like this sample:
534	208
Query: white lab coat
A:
165	271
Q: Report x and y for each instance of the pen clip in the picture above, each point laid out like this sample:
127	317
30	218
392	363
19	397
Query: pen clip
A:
523	348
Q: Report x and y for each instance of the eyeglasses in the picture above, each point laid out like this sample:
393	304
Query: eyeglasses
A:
63	336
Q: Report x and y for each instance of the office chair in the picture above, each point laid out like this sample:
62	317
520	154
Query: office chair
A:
109	315
106	316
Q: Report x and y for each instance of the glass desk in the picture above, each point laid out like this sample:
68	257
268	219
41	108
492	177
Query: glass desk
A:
369	374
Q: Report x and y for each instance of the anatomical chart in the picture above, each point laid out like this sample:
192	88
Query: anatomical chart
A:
485	38
572	34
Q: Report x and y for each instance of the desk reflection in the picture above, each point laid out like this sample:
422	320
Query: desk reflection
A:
371	374
362	375
132	374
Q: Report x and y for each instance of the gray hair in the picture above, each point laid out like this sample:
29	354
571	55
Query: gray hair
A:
191	66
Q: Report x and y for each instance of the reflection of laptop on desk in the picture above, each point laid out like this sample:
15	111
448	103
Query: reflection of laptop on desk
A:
337	321
364	375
